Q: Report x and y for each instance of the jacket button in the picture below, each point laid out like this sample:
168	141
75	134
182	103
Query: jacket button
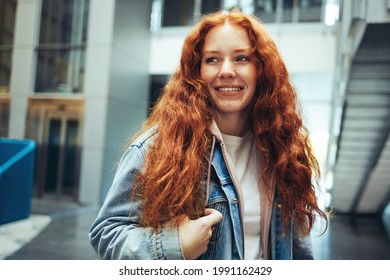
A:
279	205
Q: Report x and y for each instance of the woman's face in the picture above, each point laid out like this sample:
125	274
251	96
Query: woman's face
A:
229	70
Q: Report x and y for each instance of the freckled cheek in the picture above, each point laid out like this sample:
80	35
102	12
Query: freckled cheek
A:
250	75
207	75
202	75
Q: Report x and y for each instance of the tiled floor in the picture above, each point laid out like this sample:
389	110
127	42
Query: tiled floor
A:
16	234
362	239
66	237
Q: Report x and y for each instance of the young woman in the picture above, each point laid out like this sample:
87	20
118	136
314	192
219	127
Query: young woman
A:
223	167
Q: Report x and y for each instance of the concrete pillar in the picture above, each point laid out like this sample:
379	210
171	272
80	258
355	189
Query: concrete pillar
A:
116	88
23	64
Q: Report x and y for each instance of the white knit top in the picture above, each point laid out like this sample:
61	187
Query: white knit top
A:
244	156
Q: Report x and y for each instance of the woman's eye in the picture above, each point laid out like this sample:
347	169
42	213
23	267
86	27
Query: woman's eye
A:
211	59
242	58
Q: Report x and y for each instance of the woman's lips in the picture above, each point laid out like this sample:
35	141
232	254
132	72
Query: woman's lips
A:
228	90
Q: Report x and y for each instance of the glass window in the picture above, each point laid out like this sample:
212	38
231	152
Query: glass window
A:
210	6
60	70
310	10
62	44
63	22
157	83
5	70
178	13
7	27
265	10
288	9
302	10
4	115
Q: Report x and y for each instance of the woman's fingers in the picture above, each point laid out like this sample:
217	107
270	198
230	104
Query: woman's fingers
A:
195	234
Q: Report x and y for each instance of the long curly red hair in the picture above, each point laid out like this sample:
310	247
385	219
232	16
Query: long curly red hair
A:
171	182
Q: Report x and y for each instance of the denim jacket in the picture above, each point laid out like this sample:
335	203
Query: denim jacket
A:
115	233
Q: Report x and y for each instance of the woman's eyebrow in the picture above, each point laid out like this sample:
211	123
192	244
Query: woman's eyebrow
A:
241	50
211	51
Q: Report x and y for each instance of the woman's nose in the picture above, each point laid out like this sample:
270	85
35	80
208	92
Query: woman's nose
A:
227	70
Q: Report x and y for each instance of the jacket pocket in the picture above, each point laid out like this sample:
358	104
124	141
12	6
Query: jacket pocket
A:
218	201
220	205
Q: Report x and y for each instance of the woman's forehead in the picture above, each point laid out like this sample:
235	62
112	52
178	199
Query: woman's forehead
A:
226	35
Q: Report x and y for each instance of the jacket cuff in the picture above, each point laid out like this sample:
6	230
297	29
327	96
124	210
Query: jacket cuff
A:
166	245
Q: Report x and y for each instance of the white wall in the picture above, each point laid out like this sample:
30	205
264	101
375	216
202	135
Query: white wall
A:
378	11
116	88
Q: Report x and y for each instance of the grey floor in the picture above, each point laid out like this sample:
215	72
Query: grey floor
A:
66	237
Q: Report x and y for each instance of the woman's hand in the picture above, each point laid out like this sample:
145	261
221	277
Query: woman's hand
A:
195	234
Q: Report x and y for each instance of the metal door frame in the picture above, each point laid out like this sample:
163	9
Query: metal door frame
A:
63	117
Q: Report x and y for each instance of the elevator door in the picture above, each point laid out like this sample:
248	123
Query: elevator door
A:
62	156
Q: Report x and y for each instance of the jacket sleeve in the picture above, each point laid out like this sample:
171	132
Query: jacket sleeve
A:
116	234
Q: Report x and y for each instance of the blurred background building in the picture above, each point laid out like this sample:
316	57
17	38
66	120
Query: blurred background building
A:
80	76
